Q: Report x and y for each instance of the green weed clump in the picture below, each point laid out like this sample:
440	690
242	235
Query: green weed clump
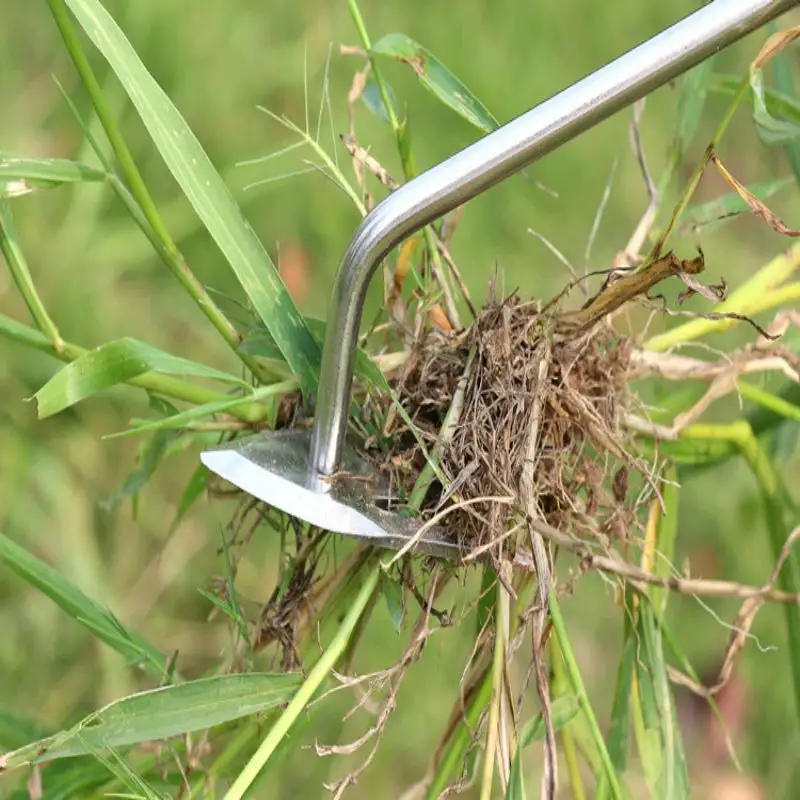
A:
527	428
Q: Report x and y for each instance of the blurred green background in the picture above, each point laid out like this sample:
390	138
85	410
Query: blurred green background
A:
99	279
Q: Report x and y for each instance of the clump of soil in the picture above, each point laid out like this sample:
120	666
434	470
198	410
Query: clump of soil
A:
538	429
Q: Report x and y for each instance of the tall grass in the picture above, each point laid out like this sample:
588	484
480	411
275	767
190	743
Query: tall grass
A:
227	728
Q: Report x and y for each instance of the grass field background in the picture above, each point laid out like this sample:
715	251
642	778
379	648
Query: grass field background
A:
100	280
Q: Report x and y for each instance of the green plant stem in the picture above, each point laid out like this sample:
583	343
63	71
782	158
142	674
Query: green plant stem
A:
690	187
461	738
167	249
769	401
574	675
560	684
315	678
498	676
10	247
164	385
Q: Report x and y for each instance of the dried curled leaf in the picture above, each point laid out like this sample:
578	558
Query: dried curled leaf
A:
756	206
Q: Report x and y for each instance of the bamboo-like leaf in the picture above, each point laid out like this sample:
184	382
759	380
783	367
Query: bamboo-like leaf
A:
112	363
20	175
161	714
80	607
437	79
206	191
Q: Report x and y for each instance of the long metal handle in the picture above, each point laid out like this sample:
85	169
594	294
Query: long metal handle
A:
494	158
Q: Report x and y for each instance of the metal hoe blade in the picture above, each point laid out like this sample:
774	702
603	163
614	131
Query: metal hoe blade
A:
292	470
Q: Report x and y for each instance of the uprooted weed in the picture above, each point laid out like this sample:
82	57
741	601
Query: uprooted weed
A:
490	373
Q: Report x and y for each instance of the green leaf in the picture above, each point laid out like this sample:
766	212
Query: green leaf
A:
193	415
785	84
20	175
668	767
666	536
151	455
783	443
619	731
206	191
193	491
371	97
516	780
80	607
392	592
16	730
691	102
772	402
564	709
113	363
161	714
727	207
771	129
437	79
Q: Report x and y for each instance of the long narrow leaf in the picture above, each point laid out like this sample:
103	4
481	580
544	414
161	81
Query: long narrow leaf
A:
206	191
113	363
437	79
162	713
728	207
80	607
20	175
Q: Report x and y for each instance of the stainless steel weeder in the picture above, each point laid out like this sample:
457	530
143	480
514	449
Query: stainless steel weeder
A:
290	469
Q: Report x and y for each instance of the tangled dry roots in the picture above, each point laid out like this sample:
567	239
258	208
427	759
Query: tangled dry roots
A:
583	474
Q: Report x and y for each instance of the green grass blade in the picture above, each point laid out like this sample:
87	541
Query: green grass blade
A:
661	720
771	129
113	363
619	730
460	740
15	731
728	207
20	175
563	711
191	494
691	102
770	401
11	249
193	415
150	457
576	681
206	191
785	83
162	713
315	679
80	607
437	79
371	97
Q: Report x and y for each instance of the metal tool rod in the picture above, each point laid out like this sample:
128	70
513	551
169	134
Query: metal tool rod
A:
490	160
